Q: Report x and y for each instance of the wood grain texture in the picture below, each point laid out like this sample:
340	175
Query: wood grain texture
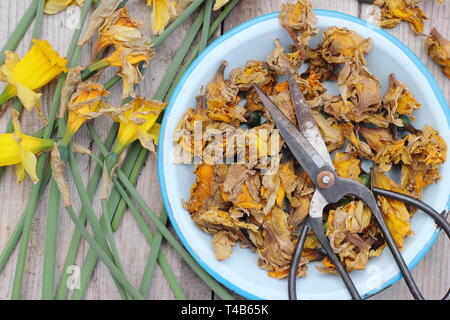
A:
432	274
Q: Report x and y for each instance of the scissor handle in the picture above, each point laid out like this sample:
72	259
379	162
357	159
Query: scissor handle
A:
316	224
438	218
343	187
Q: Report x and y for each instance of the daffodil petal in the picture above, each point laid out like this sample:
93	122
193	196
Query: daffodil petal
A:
16	124
154	132
55	6
219	4
20	173
9	150
29	163
146	141
28	97
163	12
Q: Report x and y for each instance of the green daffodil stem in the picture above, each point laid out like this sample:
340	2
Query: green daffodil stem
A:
217	288
88	71
20	30
90	260
37	28
151	261
74	244
97	230
34	194
206	25
103	256
151	240
162	261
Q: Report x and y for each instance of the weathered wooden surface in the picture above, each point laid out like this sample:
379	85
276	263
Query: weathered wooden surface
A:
432	274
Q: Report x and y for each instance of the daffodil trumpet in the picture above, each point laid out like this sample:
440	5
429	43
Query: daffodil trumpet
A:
27	75
20	150
84	105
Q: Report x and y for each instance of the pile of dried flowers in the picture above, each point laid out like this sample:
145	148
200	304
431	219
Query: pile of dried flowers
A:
260	205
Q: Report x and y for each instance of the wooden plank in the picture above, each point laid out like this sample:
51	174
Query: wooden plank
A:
433	272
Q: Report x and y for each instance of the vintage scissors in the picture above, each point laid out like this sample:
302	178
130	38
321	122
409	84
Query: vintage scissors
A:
310	150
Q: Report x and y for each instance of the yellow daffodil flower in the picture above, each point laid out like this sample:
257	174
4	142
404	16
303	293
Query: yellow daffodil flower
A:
84	105
37	68
127	59
137	121
20	150
55	6
120	30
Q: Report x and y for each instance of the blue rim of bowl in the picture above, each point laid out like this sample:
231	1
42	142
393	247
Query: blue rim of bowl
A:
320	12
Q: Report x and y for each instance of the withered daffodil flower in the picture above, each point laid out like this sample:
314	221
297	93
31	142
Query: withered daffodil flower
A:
394	11
84	105
137	120
300	22
55	6
120	30
127	59
27	75
20	150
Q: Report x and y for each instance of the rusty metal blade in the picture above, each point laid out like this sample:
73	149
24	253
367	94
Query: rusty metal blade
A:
306	122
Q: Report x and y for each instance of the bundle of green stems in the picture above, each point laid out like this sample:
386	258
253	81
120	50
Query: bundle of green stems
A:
123	195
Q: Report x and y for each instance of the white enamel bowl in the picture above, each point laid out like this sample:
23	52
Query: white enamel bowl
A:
254	40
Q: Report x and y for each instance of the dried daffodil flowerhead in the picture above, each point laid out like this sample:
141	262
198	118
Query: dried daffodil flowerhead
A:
439	50
137	119
343	45
55	6
127	59
394	11
20	150
300	22
163	12
84	105
24	76
219	4
120	30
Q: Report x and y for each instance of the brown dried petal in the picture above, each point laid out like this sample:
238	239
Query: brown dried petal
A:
57	166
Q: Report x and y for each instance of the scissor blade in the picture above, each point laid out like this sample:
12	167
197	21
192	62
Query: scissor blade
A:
301	148
318	203
306	122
